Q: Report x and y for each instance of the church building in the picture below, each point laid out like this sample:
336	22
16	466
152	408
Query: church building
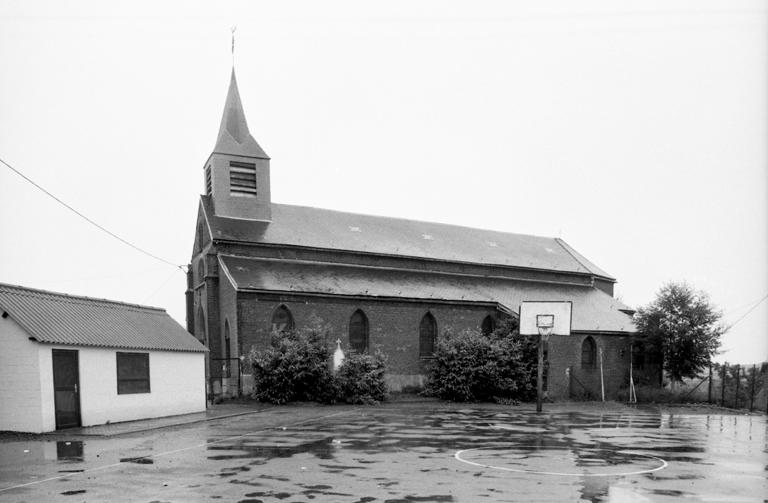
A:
259	266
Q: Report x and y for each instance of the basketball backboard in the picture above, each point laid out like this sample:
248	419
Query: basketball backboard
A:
530	310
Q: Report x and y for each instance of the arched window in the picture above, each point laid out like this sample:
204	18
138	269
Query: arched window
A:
588	353
427	335
282	319
201	271
358	331
227	350
488	325
200	326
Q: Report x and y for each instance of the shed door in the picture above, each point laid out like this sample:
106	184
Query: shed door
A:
66	381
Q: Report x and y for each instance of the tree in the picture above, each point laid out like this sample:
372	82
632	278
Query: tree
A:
683	327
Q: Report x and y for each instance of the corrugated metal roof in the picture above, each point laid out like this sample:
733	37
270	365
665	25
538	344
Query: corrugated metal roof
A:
58	318
336	230
593	310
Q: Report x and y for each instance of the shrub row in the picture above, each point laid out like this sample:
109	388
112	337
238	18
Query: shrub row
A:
468	366
296	367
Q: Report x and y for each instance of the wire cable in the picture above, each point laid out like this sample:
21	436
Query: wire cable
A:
73	210
748	311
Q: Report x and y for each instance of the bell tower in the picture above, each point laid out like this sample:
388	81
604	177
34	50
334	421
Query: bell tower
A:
237	171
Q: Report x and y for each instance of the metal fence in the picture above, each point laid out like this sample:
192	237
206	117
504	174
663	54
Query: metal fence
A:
733	386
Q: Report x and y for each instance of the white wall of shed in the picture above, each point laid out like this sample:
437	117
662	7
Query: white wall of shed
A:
177	386
20	388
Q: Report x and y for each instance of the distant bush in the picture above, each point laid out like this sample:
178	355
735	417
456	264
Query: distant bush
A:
360	378
470	366
296	367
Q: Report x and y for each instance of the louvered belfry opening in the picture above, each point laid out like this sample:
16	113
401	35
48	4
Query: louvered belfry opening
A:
242	178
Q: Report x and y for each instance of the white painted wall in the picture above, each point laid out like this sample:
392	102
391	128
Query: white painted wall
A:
20	390
177	384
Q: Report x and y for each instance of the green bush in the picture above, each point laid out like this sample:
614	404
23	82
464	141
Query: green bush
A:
360	378
297	367
470	366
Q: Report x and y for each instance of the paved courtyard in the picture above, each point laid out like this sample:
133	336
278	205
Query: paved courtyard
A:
404	452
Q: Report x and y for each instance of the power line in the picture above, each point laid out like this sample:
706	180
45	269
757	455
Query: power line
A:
748	311
70	208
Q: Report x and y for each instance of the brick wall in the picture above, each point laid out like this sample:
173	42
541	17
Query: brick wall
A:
565	352
392	325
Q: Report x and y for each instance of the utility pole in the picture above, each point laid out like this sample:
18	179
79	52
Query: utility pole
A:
709	395
738	382
752	391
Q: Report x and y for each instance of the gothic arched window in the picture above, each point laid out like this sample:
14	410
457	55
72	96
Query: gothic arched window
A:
201	271
358	331
488	325
282	319
200	326
427	335
588	353
227	350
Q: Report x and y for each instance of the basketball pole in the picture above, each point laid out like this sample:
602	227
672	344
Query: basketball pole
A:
545	323
540	375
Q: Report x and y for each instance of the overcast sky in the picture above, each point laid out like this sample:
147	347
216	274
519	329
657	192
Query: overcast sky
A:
636	131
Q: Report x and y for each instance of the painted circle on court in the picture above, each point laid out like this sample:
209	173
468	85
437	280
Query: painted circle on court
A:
563	461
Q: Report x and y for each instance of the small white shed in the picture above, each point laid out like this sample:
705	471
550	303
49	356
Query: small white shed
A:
68	361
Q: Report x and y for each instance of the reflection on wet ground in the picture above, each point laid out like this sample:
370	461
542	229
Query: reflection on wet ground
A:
406	452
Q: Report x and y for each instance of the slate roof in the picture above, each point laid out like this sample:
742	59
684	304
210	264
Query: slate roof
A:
336	230
593	310
234	137
57	318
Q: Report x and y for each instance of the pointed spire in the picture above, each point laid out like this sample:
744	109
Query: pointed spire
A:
234	137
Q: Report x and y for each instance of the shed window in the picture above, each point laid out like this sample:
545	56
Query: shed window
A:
282	320
427	335
132	373
242	178
588	353
358	332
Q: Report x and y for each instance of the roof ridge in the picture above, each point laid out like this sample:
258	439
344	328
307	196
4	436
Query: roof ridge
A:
65	297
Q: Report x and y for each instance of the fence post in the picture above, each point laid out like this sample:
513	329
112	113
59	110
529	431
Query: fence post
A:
722	385
752	390
738	382
709	395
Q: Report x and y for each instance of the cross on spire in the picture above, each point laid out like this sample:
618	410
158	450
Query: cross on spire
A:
233	44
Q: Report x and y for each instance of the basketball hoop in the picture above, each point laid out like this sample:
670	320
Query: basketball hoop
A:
545	323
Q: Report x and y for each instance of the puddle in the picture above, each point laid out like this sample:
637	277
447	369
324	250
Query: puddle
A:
322	449
71	493
69	450
138	460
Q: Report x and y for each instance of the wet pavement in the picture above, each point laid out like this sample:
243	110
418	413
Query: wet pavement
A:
404	452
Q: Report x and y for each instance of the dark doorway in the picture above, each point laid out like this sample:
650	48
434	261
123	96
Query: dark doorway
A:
66	395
